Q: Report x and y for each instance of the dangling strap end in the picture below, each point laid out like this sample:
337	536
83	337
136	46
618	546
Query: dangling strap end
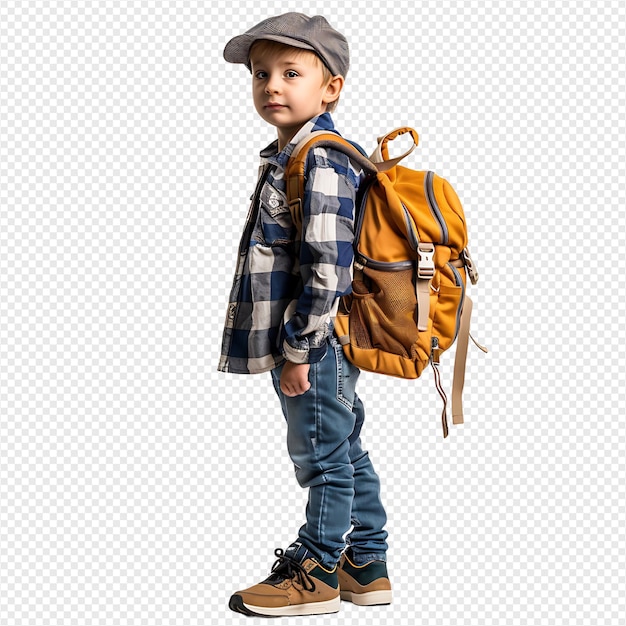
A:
444	412
479	346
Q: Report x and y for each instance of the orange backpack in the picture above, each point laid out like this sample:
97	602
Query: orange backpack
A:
409	301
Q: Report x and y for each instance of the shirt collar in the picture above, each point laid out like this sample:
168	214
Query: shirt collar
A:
320	122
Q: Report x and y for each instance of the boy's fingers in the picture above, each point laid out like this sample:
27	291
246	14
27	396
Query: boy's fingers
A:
295	390
287	389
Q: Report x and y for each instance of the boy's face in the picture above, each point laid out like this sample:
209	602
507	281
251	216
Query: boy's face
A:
288	90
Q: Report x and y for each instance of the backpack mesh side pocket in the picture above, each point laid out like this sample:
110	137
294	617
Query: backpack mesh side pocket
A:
383	309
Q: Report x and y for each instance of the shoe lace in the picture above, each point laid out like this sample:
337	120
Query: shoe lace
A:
287	568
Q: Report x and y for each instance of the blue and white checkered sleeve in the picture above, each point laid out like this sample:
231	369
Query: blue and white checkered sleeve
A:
326	255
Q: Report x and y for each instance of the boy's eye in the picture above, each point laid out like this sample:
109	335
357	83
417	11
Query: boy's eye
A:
292	74
260	74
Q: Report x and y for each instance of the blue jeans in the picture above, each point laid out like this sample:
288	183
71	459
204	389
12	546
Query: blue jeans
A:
323	440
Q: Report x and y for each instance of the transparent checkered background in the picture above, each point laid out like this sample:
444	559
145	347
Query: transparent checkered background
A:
138	485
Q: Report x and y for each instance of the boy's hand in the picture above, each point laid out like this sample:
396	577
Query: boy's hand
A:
294	379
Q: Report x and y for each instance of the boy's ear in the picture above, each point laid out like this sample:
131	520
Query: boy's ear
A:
333	89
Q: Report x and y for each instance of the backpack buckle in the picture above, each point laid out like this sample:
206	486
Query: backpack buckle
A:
425	260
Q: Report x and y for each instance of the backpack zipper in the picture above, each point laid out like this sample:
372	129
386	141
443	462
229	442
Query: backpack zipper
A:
429	192
411	231
362	261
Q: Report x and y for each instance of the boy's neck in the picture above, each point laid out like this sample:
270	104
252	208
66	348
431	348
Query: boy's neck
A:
282	142
285	136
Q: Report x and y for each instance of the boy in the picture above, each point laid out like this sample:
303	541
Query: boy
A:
280	319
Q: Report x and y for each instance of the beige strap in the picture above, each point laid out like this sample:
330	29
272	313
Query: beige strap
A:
459	362
479	346
422	291
380	156
469	264
425	273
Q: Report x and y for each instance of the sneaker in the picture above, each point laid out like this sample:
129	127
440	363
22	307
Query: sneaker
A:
298	585
363	584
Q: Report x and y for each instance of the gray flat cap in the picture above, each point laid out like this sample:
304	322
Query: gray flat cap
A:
297	30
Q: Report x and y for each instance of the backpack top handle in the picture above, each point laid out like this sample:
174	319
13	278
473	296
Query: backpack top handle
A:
380	156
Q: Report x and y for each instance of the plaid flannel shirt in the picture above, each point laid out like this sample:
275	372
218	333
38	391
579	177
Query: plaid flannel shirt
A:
285	292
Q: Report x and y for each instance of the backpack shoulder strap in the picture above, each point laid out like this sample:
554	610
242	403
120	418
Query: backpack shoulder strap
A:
296	166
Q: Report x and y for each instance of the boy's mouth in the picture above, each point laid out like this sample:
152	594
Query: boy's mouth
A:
274	105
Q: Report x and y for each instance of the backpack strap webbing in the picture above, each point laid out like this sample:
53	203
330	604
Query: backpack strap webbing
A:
460	359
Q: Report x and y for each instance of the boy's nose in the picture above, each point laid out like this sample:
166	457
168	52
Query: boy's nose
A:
271	87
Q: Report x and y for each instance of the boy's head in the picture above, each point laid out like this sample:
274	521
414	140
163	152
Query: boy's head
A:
298	65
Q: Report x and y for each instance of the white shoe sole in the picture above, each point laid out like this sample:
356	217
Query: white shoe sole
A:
370	598
312	608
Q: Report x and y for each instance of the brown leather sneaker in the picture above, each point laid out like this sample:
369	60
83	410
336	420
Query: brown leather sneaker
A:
365	585
298	585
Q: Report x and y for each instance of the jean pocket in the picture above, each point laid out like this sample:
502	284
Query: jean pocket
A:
347	375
